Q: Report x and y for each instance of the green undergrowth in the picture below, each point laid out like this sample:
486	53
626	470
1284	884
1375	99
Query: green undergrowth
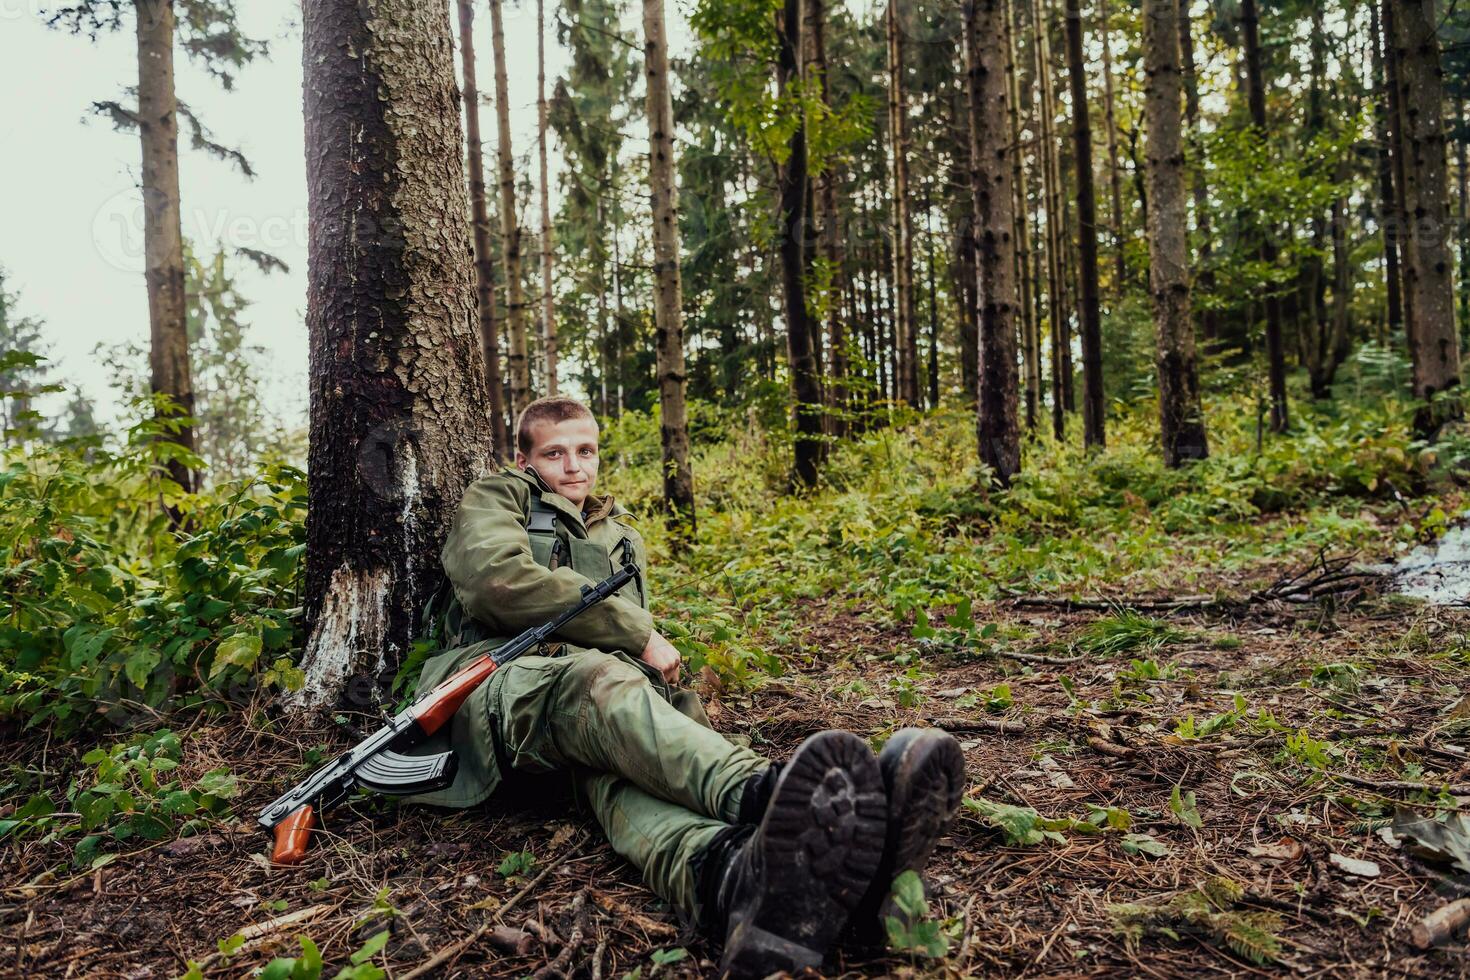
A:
902	522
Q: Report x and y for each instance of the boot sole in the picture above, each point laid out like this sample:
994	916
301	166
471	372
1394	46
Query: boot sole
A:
821	842
923	795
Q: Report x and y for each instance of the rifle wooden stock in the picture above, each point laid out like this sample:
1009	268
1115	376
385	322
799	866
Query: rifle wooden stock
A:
292	836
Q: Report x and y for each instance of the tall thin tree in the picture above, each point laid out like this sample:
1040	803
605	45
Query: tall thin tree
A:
906	333
1199	185
398	398
1388	217
1115	166
518	360
997	425
1181	420
480	225
1089	313
1256	96
548	301
1030	332
668	300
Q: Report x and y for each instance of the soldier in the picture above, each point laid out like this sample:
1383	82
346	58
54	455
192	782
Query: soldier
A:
773	860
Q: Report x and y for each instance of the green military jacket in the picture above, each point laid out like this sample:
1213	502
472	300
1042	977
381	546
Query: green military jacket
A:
503	583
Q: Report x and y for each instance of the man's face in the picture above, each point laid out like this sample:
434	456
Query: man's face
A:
564	455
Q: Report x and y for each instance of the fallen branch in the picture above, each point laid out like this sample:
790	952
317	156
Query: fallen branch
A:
1110	748
560	967
1005	726
455	949
1454	789
258	933
1440	926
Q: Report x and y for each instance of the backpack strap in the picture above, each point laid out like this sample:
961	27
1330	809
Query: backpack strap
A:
541	528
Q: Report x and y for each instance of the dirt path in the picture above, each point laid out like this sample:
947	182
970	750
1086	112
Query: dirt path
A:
1280	858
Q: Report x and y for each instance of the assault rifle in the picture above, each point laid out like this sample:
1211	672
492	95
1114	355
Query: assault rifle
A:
378	763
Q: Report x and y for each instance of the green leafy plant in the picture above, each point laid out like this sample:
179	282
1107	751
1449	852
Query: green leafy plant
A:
516	864
1127	630
1182	805
912	930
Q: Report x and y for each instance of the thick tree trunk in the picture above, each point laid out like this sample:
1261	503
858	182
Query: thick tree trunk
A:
548	302
398	399
1426	198
1404	227
906	334
163	240
480	223
518	360
1256	95
1181	420
1388	216
806	386
1089	313
1030	334
997	426
1115	176
668	297
1205	274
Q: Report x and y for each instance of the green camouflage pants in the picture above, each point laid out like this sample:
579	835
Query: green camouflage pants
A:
658	779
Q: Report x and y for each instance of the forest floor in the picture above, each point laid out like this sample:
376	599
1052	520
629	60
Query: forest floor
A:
1230	843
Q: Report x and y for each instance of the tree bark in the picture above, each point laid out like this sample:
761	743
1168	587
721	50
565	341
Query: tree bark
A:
1464	199
1115	177
830	217
806	386
1052	204
997	425
398	397
1181	420
163	239
668	294
1426	198
1388	216
906	335
518	360
1089	313
1030	334
1404	227
1205	274
548	303
1256	95
480	224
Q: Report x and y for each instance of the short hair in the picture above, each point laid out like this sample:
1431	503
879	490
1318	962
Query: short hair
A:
553	410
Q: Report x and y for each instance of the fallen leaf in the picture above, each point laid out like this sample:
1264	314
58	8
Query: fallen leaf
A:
1287	850
1355	866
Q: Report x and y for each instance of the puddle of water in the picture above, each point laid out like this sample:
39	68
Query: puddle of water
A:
1438	572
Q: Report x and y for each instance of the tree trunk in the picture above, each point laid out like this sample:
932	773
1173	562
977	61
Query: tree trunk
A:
1182	423
398	396
990	187
548	303
1089	313
1404	227
1256	89
1205	275
832	240
806	387
1464	199
1115	177
518	360
1051	203
1426	198
933	367
1388	218
906	336
1030	335
668	295
163	240
480	223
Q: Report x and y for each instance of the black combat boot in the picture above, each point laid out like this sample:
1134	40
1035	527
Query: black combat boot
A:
924	774
778	893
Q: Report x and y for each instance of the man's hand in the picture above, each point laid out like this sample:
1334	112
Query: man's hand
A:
661	655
